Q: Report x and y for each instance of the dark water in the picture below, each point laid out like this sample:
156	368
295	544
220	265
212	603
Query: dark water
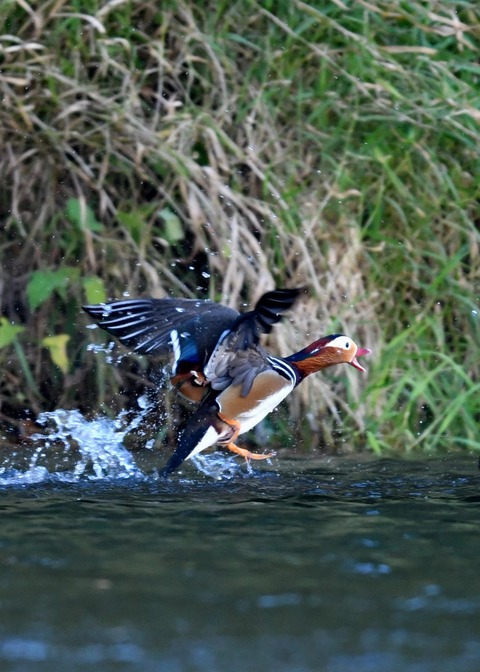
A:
337	565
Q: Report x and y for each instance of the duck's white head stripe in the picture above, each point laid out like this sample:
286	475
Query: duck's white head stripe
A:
341	342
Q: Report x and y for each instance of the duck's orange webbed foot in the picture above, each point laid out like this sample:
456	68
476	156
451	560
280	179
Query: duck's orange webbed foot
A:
247	454
235	425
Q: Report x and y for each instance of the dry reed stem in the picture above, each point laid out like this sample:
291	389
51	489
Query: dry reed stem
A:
176	117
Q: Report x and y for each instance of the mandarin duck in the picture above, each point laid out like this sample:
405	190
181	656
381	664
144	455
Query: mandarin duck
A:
218	362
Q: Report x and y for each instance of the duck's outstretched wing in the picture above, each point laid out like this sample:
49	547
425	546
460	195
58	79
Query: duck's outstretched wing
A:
238	357
267	312
189	328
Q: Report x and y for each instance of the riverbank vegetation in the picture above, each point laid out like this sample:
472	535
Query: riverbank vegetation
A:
217	149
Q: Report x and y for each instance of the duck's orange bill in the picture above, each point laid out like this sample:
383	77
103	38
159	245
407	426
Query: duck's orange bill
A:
360	353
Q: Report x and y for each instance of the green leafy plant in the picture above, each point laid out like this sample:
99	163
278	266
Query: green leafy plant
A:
44	283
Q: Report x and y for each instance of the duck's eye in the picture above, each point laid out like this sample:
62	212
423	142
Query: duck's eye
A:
347	345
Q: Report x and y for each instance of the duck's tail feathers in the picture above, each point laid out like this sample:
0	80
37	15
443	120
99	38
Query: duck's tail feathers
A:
204	429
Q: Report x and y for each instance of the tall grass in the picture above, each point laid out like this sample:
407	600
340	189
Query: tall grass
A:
218	149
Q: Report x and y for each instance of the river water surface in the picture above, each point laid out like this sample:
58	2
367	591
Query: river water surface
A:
336	565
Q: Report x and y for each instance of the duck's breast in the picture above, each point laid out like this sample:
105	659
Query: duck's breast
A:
268	390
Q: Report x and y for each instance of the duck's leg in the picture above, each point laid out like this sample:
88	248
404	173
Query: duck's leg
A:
246	453
236	449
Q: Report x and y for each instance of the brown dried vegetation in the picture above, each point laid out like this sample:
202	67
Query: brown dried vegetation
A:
216	150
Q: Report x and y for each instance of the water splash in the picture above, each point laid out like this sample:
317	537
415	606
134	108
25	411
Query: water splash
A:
221	467
107	350
18	477
99	441
73	448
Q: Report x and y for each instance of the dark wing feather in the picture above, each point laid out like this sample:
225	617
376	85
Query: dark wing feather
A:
238	352
146	325
268	311
271	306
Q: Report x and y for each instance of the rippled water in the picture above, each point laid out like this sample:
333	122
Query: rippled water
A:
335	565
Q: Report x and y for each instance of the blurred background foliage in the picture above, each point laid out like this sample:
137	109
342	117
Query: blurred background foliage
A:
218	149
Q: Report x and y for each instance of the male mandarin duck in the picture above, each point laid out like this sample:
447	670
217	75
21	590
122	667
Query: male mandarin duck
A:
218	361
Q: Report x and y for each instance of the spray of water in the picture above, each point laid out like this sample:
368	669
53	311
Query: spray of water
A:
74	447
99	441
